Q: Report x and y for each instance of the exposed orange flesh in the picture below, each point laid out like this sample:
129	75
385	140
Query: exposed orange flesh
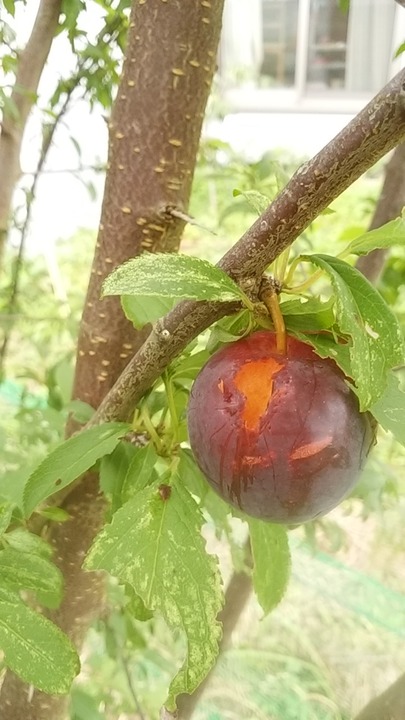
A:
310	449
255	381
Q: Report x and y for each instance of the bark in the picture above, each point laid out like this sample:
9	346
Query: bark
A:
154	135
389	206
30	66
390	705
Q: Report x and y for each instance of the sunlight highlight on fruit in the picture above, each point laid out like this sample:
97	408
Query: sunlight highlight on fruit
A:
279	436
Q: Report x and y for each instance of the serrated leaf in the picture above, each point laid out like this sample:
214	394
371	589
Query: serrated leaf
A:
312	315
326	346
143	309
271	562
136	606
257	201
228	330
35	649
155	545
389	410
113	470
392	233
70	460
21	570
363	315
174	276
139	473
191	475
6	511
188	367
24	541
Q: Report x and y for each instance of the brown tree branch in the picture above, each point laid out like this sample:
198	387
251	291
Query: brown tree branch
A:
389	206
30	66
390	705
378	128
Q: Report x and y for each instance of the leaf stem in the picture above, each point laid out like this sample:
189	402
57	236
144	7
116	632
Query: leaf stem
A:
280	265
270	298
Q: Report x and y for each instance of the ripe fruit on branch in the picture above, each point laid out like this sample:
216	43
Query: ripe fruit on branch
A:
278	436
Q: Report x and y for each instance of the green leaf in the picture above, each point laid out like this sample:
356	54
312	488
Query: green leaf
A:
140	471
188	367
35	649
113	470
326	346
24	541
143	309
10	6
312	315
389	410
376	341
392	233
56	514
400	50
136	606
191	475
174	276
228	330
70	460
6	511
156	546
271	562
257	201
21	570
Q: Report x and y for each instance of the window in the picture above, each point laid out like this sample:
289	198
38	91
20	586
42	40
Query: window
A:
303	50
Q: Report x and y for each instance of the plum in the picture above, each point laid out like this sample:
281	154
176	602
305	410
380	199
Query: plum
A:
279	436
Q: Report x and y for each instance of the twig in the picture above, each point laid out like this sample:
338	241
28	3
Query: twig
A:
31	195
131	686
378	128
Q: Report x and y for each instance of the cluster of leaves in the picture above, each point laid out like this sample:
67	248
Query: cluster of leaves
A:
159	502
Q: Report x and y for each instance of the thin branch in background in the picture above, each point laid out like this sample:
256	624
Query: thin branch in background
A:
389	206
131	686
11	306
31	62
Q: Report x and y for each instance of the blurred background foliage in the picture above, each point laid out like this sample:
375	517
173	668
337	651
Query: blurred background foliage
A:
337	638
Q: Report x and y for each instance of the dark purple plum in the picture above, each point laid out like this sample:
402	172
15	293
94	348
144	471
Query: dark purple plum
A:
278	436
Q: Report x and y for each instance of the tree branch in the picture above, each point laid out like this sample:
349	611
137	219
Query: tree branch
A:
390	705
30	66
378	128
389	206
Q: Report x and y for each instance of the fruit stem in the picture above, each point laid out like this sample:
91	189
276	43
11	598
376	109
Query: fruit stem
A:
270	298
171	404
147	422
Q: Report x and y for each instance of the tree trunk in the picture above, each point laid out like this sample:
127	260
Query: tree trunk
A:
30	66
389	206
154	135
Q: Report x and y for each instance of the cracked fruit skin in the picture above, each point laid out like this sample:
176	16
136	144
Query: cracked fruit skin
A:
277	436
